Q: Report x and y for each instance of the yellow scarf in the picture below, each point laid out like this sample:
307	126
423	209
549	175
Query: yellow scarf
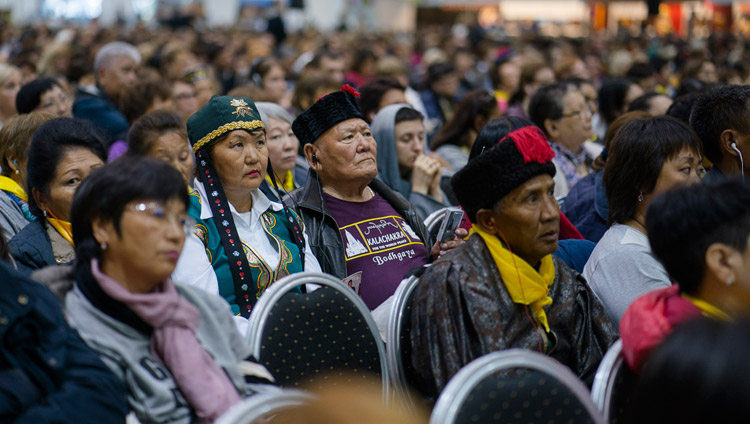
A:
7	184
524	284
62	227
708	310
287	184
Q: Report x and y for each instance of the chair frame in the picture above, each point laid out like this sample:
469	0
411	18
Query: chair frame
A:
460	386
259	315
255	407
605	377
393	338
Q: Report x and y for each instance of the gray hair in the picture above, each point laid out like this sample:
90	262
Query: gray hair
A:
112	50
270	110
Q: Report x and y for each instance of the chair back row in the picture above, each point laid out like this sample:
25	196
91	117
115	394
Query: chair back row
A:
306	338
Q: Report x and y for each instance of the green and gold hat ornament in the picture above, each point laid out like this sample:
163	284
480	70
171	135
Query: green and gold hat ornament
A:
220	115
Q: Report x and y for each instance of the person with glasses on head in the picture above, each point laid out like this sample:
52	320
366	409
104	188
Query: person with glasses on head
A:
44	95
562	112
243	242
175	347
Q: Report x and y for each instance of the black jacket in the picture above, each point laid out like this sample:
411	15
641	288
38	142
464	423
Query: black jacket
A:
31	248
323	233
47	373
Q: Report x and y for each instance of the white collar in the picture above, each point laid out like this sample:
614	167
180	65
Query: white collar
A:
261	203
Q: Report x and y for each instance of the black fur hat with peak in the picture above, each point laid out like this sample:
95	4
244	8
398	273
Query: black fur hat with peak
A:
326	112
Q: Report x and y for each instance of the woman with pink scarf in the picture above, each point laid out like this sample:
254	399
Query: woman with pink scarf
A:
175	347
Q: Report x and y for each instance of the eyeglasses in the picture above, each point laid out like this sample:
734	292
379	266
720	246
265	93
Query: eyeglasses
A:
157	211
579	113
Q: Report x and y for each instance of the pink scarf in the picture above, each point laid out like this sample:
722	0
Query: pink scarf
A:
205	385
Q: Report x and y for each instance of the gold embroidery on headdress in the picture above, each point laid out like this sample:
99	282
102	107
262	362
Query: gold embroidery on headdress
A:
242	108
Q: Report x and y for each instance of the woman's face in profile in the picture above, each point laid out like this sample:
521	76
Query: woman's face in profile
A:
74	167
684	168
150	239
174	149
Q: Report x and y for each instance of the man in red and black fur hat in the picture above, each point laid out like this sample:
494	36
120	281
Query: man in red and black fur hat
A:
503	289
355	223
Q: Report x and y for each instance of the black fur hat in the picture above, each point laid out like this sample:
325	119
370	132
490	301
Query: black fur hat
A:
518	157
328	111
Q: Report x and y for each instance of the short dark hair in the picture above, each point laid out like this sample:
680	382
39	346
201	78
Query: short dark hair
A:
695	375
684	222
107	190
643	102
635	159
494	131
372	93
407	114
149	127
639	71
717	109
29	97
690	85
547	103
437	71
681	107
612	96
474	104
48	146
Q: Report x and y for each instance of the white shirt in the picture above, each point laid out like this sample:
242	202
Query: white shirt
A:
194	268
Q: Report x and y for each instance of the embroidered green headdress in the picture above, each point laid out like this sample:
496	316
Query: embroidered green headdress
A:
220	115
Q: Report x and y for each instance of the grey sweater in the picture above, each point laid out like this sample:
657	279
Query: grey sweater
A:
152	392
622	268
11	217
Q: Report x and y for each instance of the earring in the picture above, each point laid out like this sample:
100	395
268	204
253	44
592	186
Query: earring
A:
103	246
18	171
730	281
45	213
640	197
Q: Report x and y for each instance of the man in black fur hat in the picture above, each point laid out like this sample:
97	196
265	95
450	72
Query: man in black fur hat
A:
354	222
503	289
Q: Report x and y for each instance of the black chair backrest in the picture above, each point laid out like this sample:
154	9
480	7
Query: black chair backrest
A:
311	338
526	397
515	385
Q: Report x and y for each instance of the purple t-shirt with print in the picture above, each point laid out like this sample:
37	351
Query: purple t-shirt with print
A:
378	242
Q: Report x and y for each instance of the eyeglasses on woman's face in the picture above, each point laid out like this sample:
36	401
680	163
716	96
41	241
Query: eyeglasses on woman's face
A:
580	113
159	212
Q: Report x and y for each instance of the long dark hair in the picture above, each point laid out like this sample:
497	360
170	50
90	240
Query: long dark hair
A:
456	131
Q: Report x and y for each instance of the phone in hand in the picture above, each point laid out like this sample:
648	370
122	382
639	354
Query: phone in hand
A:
451	221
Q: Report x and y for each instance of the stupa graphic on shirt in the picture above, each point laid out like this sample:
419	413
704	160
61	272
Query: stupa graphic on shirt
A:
410	231
354	247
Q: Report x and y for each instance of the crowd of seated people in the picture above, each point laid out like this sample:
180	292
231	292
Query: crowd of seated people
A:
158	190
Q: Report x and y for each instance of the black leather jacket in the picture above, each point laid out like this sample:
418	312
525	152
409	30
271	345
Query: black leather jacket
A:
323	232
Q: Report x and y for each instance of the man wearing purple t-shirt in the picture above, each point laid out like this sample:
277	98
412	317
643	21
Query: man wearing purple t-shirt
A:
354	222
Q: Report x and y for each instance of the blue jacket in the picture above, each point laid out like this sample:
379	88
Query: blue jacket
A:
96	107
586	207
47	373
31	248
